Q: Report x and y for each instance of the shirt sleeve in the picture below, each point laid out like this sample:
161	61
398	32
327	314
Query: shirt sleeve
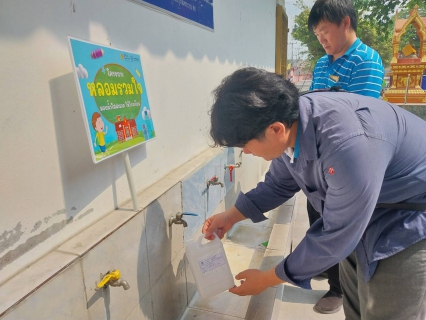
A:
278	187
354	174
367	78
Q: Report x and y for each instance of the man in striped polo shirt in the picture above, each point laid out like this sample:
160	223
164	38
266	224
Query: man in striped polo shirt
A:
349	63
352	66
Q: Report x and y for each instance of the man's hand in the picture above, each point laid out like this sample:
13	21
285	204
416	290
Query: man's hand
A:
221	223
255	281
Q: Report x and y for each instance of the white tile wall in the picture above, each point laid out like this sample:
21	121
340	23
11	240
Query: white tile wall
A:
169	292
61	298
125	250
32	278
144	310
164	242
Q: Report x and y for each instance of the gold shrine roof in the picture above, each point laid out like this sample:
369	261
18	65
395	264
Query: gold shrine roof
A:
401	22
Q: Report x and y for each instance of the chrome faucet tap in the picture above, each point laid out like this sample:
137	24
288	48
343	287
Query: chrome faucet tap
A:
177	219
119	283
214	182
237	165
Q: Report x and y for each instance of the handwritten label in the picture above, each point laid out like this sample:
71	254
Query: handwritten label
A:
212	262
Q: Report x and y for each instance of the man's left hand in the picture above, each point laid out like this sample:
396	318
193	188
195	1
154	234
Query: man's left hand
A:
254	281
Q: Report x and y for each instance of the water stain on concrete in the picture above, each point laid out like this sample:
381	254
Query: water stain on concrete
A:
36	226
31	242
59	212
9	238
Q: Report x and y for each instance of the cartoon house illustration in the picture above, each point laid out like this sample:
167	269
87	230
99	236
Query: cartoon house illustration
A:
125	129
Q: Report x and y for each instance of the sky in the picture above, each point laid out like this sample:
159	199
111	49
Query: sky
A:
292	11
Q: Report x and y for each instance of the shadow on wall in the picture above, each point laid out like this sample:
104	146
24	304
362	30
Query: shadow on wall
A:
77	169
135	303
167	271
130	26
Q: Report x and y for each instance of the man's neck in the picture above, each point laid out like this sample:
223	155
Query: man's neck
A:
349	42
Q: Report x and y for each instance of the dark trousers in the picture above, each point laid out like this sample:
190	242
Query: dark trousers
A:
332	272
396	291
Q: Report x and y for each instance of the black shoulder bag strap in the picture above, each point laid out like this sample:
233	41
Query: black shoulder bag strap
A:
403	206
396	206
333	88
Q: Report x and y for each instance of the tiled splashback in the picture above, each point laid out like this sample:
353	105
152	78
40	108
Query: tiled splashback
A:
149	254
214	193
194	201
229	159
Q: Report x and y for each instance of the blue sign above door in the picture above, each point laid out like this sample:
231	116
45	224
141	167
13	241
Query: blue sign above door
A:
198	11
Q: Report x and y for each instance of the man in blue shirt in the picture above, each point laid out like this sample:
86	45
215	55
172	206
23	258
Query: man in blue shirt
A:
352	66
347	153
348	63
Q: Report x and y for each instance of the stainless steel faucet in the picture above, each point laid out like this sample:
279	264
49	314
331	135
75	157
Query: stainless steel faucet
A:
119	283
177	219
214	182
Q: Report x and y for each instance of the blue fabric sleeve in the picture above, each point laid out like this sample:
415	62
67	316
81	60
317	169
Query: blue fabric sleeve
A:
278	187
367	79
353	189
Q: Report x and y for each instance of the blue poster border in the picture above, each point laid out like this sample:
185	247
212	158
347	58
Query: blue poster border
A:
141	127
197	12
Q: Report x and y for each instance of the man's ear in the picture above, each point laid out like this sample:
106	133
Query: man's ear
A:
346	22
277	127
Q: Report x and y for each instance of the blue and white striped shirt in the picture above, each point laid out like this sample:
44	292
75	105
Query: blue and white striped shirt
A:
360	70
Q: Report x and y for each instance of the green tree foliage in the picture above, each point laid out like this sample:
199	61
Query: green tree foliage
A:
404	13
381	13
314	49
369	34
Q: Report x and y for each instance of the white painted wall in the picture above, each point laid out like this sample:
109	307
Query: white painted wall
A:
49	187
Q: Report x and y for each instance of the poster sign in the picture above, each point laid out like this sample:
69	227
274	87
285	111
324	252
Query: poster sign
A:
196	11
113	98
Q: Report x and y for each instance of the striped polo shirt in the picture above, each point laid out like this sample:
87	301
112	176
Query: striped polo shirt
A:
360	70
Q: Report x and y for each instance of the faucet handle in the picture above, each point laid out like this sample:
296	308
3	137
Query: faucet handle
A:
110	276
180	214
234	166
178	218
189	214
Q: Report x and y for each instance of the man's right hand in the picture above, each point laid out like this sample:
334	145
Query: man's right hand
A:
221	223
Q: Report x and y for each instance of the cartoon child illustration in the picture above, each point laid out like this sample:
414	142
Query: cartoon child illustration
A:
98	125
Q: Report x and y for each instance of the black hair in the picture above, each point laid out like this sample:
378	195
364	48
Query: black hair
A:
332	10
247	102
